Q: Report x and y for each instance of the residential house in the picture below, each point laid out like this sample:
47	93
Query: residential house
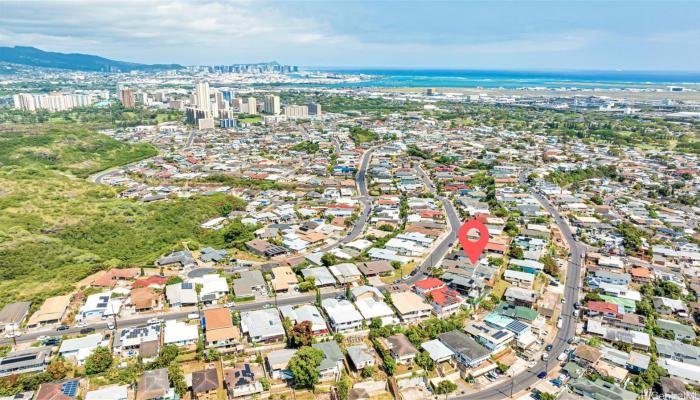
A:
178	259
468	353
100	305
243	380
60	390
322	276
129	342
400	348
410	307
80	348
600	390
33	359
12	315
205	384
277	363
375	268
155	385
361	356
332	363
51	311
220	333
249	284
494	339
116	392
342	315
306	312
283	279
263	248
262	325
144	299
370	302
520	296
181	294
180	333
346	272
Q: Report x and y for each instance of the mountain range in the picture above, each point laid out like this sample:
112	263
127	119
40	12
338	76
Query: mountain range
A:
34	57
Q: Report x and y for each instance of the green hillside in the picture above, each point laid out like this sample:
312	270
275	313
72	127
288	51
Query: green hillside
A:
56	228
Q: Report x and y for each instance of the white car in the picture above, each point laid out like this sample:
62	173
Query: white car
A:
562	357
12	334
42	338
154	320
532	364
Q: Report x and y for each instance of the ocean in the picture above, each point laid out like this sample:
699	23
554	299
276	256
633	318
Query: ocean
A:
424	78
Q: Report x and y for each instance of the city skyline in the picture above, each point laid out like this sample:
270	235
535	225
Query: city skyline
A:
560	35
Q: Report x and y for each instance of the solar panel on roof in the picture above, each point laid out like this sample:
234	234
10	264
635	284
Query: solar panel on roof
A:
70	388
12	360
187	285
499	334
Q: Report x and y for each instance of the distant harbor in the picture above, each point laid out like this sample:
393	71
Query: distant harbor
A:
570	80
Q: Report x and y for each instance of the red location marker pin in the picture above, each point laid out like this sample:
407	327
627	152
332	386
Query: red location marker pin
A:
473	248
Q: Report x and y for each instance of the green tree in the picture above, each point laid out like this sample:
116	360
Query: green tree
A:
367	372
99	361
424	361
177	379
344	385
304	366
329	259
445	387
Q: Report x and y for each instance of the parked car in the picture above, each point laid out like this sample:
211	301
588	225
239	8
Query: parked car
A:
541	375
110	325
562	357
548	348
54	341
155	320
63	328
545	356
192	316
85	331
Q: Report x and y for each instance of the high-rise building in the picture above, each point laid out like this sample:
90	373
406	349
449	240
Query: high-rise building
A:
293	111
127	98
52	102
252	106
272	104
220	102
314	108
202	96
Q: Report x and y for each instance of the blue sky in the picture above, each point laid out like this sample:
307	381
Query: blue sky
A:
640	35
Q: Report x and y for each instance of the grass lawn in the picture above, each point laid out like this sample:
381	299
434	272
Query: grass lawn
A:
406	270
250	120
499	288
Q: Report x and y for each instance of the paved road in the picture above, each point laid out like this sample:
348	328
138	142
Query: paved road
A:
365	199
444	246
132	322
572	288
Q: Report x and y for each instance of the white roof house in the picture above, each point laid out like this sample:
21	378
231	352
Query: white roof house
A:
109	393
342	314
322	274
346	272
80	348
212	285
100	305
180	333
262	325
306	312
370	301
387	255
181	294
437	351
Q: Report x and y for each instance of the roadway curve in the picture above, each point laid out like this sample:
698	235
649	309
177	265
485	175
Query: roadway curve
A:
572	288
365	200
444	246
